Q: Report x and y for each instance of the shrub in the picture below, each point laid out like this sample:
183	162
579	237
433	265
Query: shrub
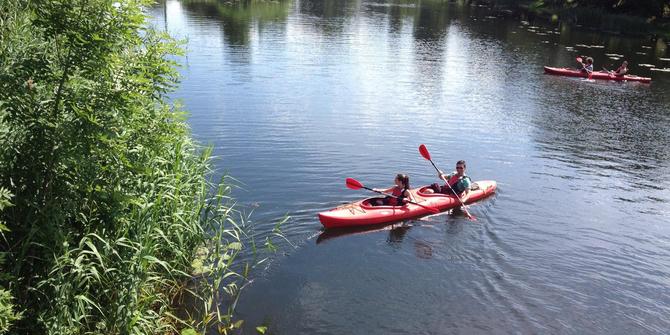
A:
114	223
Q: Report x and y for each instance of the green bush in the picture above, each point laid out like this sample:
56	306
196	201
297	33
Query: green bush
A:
114	224
7	313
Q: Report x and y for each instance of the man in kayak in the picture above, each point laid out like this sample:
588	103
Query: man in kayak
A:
457	181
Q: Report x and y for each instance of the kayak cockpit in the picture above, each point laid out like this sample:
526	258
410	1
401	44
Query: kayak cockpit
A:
366	204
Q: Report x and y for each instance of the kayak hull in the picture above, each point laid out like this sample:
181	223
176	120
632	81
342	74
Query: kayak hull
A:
602	75
360	213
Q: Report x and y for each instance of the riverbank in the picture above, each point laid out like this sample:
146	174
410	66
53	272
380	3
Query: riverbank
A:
656	25
597	19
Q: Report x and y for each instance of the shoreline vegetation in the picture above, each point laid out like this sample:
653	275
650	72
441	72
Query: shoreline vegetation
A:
109	220
621	17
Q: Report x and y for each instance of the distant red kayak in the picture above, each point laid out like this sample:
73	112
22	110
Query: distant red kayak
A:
361	213
562	71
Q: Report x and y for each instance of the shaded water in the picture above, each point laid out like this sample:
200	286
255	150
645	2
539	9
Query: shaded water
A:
295	96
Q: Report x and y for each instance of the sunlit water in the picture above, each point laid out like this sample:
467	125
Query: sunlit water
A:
295	96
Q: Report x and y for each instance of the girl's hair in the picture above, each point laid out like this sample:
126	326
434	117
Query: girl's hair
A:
404	179
589	60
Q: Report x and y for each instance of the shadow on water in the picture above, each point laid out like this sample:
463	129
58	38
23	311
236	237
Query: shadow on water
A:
330	234
397	234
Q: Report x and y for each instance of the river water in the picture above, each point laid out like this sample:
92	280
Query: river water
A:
295	96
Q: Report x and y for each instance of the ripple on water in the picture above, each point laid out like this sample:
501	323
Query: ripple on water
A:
296	98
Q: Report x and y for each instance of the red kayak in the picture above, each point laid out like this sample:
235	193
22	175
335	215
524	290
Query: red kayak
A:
562	71
361	213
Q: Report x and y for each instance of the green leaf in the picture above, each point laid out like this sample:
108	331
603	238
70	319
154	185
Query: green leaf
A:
189	331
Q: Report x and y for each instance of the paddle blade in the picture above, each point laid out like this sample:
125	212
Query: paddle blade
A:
578	59
467	214
424	152
353	184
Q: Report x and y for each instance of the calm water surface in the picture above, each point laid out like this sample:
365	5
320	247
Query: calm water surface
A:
295	96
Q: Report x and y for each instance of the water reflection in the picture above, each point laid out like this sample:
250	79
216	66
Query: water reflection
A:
295	96
240	19
329	9
396	236
395	239
431	22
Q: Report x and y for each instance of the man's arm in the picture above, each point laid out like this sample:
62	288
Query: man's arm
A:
464	195
466	192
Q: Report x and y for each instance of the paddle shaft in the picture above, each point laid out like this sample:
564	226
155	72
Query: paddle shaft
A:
397	197
431	162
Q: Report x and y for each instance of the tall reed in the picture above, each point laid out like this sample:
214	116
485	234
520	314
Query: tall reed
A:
115	226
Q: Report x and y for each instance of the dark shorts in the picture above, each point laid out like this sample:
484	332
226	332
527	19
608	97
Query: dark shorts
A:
444	189
384	201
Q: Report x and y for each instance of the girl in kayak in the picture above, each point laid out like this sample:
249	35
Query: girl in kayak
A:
622	70
400	190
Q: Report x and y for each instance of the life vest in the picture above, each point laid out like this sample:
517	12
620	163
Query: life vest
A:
457	183
400	194
618	71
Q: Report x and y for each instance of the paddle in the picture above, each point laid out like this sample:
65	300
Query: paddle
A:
609	73
356	185
424	152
